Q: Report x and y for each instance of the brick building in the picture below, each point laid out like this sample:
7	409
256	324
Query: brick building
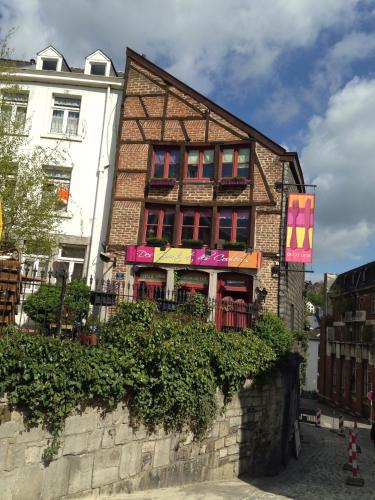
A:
194	201
347	361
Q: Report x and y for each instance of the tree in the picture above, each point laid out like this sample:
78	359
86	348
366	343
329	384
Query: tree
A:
31	206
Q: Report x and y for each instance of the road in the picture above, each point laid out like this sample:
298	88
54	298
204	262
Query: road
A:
316	474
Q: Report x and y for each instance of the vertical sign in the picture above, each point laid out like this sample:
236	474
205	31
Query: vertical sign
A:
300	228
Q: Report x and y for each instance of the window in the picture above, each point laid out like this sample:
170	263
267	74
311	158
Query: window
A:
14	109
50	64
233	224
65	115
166	163
235	162
60	177
196	224
159	223
98	68
70	261
200	164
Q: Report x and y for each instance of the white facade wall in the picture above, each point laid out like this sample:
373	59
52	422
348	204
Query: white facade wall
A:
90	154
311	382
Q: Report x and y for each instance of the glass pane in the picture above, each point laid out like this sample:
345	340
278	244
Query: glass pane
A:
208	156
243	155
174	170
242	234
193	171
159	170
72	123
73	251
77	271
208	171
187	233
20	116
228	155
225	233
57	121
243	170
204	234
168	219
226	218
68	102
188	219
174	156
151	231
227	170
205	219
6	112
243	218
50	64
98	68
152	218
167	233
159	157
193	157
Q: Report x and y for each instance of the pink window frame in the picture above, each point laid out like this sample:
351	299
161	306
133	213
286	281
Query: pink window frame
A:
166	160
197	213
234	218
201	151
161	213
235	159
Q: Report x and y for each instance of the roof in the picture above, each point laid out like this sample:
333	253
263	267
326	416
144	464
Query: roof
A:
356	279
234	120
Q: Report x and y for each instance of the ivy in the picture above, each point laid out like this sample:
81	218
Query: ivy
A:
165	368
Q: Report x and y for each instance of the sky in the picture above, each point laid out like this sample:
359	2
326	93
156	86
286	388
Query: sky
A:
300	71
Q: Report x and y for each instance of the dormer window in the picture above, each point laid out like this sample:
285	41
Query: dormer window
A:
98	68
50	64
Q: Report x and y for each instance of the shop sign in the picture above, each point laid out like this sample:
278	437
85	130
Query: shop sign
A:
300	228
152	275
191	277
195	257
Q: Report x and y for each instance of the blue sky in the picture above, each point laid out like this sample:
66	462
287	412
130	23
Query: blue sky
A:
301	71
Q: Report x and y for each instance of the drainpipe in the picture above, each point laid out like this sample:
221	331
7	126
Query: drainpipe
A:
99	175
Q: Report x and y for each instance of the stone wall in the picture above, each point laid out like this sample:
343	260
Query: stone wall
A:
105	454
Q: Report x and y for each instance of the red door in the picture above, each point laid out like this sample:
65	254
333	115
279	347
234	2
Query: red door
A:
234	292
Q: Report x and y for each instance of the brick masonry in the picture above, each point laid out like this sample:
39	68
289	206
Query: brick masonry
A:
105	454
158	112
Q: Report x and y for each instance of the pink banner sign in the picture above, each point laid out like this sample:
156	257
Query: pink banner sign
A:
300	228
217	258
140	254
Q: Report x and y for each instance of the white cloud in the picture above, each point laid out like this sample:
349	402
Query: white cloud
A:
339	157
203	42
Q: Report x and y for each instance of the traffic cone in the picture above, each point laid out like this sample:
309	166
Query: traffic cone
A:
318	414
354	479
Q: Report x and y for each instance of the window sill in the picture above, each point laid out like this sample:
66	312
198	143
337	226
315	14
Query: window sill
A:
66	215
63	137
197	181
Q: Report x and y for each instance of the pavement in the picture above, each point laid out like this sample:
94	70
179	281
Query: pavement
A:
316	474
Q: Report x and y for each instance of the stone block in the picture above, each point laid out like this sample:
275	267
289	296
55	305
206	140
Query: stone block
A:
107	458
235	421
224	428
189	438
139	432
148	447
56	479
233	449
162	452
223	452
219	443
107	475
9	429
8	481
214	432
108	440
80	473
120	415
5	415
33	454
94	440
231	440
36	434
75	444
130	463
124	434
79	424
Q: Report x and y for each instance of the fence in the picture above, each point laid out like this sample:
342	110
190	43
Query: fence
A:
61	304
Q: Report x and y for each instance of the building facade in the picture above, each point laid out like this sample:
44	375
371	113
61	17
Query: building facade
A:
196	201
74	114
347	347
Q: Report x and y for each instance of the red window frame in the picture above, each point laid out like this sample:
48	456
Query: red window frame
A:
167	158
234	219
201	151
161	211
235	160
197	213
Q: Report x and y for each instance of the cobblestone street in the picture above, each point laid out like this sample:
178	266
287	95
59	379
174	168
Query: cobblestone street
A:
316	474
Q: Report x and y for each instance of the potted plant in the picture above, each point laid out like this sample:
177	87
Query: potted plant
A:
234	245
156	242
186	243
233	182
163	182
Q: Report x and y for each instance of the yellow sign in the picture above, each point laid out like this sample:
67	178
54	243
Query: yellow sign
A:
172	256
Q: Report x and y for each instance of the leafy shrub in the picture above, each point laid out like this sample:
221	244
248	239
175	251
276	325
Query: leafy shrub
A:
274	332
197	305
165	369
43	306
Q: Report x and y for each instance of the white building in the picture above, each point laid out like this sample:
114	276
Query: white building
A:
310	307
76	111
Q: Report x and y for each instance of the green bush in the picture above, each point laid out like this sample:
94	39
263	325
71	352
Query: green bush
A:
165	369
43	306
274	332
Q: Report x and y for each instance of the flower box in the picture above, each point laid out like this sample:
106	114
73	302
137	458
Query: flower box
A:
234	182
156	242
234	245
168	182
192	243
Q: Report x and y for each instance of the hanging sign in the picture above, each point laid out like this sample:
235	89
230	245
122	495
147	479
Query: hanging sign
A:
1	219
300	228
